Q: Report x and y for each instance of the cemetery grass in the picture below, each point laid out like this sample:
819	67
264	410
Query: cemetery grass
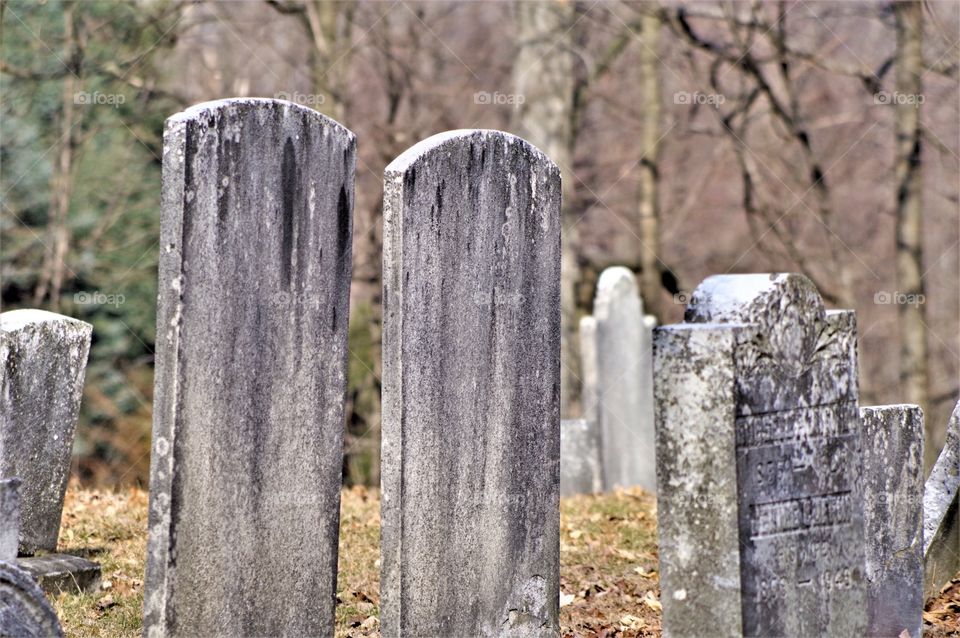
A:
608	574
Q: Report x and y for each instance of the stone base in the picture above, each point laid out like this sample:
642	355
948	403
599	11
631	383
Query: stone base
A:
56	573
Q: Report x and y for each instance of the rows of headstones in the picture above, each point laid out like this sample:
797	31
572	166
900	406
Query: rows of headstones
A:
783	508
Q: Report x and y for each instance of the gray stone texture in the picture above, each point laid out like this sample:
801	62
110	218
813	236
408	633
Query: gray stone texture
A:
255	263
624	382
43	358
9	518
56	573
471	389
589	391
24	611
579	458
941	513
892	438
774	390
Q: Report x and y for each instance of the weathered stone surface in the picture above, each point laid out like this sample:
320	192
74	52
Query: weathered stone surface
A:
892	437
941	513
625	383
579	458
24	611
790	403
56	573
255	262
697	480
43	357
9	518
471	380
589	390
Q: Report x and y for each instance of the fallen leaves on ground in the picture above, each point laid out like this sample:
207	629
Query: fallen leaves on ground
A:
608	574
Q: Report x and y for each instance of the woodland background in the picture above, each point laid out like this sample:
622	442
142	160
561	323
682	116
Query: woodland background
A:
694	138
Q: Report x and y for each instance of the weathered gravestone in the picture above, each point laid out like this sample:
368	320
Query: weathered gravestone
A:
892	437
9	518
255	261
758	462
24	611
941	512
624	383
588	374
471	389
43	357
579	458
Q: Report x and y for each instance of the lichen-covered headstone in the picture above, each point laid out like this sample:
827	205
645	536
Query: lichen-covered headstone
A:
24	610
758	462
624	386
255	263
941	513
579	457
43	358
892	437
9	518
471	389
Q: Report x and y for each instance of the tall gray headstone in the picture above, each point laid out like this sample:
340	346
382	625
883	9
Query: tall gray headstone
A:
24	610
471	389
9	518
892	437
255	263
579	458
941	513
758	452
589	390
43	358
624	382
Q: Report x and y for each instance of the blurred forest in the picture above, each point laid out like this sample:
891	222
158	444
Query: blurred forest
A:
694	138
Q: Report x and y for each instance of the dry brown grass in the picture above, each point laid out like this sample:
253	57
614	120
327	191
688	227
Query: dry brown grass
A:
608	572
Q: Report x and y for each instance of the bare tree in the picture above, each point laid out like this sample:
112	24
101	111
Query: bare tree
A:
544	76
909	213
649	204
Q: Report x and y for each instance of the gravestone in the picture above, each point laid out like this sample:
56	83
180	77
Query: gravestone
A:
892	438
57	573
9	518
471	389
624	398
589	390
579	458
43	357
255	263
941	513
24	611
758	462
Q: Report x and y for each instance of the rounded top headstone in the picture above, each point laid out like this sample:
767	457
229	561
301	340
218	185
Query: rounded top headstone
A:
241	106
24	610
442	142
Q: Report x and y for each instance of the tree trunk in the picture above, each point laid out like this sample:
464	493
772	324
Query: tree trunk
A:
543	76
61	178
909	217
649	209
